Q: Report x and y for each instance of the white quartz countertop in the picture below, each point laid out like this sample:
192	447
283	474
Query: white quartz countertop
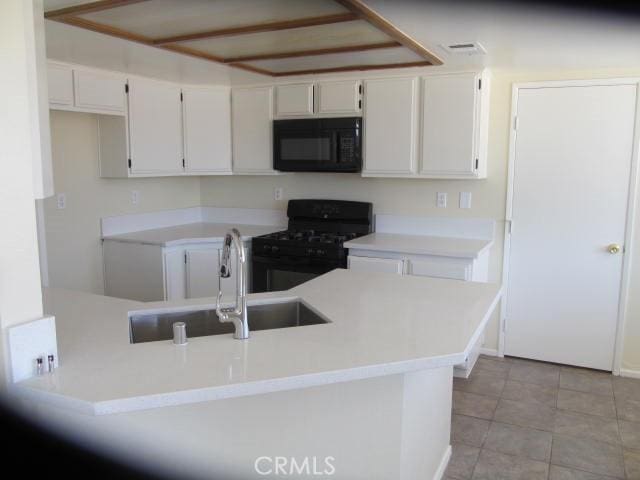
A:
380	324
192	233
420	245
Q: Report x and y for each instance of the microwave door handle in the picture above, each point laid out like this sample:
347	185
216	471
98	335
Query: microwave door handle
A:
336	141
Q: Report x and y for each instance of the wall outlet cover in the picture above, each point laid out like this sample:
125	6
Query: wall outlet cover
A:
61	200
441	200
277	193
465	199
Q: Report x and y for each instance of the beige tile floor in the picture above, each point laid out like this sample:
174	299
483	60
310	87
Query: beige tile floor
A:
517	419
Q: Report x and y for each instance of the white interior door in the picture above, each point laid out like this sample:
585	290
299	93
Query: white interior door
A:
572	163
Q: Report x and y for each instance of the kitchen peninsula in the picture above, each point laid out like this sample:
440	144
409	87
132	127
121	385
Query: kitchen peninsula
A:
381	369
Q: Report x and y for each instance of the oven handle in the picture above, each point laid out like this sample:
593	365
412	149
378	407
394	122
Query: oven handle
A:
285	261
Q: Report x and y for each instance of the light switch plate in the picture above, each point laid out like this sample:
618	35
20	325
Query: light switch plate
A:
465	199
61	200
441	200
135	197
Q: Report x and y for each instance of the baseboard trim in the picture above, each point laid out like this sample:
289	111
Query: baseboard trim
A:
491	352
444	463
624	372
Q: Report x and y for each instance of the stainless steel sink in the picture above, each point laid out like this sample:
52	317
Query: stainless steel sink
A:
145	327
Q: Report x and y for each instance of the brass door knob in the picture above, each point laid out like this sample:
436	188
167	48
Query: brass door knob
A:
614	249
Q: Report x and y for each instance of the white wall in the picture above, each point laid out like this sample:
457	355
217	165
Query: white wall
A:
74	248
20	294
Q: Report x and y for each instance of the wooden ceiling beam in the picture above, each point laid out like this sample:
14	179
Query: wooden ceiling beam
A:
360	9
310	53
351	68
106	29
90	7
261	27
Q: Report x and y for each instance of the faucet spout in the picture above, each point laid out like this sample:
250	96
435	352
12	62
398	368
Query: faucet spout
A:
236	314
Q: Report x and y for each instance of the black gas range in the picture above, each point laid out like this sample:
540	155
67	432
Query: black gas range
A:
313	243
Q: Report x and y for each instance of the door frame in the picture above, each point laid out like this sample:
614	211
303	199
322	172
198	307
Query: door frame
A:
631	203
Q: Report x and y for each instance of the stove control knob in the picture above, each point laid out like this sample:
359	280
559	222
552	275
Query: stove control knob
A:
310	251
275	249
320	252
267	248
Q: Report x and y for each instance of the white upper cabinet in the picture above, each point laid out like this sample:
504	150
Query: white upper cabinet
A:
155	127
339	98
294	100
334	98
454	126
251	126
390	119
99	91
207	129
60	83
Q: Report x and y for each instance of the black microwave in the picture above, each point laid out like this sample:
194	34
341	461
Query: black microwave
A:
318	145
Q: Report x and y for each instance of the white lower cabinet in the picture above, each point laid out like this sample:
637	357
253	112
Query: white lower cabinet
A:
441	267
468	269
372	264
150	273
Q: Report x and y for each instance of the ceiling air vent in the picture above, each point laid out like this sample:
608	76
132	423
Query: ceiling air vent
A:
465	48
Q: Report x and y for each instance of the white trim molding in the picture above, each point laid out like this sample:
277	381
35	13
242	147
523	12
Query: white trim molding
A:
625	372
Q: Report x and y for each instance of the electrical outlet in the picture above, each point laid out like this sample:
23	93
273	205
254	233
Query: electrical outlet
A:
135	197
441	200
465	199
61	199
277	193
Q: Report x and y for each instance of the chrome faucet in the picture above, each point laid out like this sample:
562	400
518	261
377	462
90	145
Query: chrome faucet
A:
236	314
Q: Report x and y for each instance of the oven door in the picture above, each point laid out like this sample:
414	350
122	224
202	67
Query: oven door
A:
283	273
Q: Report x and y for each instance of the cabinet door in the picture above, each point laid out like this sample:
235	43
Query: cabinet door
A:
372	264
448	146
155	127
251	114
294	100
174	275
390	111
207	129
99	91
60	85
441	267
228	286
202	272
338	98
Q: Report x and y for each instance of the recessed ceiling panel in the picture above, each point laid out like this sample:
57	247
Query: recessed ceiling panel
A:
296	39
165	18
338	60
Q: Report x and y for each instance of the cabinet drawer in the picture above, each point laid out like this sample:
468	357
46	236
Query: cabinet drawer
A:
441	268
371	264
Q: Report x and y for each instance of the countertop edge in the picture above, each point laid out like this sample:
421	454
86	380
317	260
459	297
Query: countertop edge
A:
207	394
354	245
